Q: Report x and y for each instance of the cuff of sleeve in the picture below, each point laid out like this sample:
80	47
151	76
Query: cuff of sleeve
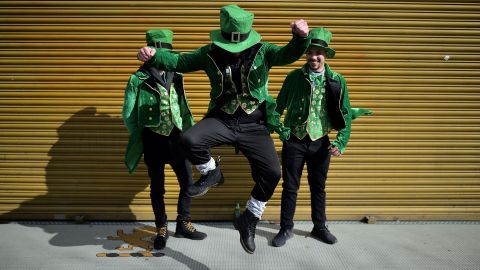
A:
299	37
284	134
336	144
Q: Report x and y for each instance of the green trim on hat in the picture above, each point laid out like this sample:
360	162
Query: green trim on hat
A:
235	33
154	36
320	37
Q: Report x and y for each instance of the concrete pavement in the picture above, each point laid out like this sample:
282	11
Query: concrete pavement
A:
126	245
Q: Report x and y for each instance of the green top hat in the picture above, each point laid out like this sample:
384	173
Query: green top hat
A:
320	37
160	38
235	33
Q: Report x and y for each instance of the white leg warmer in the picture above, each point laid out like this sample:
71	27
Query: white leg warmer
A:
206	167
256	207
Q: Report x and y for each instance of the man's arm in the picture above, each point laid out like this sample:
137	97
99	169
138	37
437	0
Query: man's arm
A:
343	135
171	61
284	55
281	104
282	97
129	110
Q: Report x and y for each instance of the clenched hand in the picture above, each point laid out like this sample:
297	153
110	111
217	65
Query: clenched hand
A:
300	28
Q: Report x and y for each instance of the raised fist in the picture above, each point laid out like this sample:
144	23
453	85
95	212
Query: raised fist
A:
145	53
300	28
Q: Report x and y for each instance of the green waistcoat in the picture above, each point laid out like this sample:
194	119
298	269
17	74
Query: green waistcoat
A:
169	111
317	124
233	99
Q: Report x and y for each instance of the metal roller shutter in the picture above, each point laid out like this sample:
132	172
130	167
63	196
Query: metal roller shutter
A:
64	65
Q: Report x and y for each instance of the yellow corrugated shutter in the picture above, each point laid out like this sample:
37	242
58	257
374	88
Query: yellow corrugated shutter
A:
64	65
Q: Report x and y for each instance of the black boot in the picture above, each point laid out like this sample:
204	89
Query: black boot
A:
211	179
323	234
282	236
185	229
160	240
246	225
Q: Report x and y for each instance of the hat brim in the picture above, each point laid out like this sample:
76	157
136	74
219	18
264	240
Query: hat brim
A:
330	51
235	47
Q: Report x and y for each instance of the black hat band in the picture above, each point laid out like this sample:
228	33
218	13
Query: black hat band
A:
235	36
159	44
320	42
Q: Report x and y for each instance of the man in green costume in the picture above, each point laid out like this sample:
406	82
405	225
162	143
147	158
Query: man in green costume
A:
241	112
317	101
156	112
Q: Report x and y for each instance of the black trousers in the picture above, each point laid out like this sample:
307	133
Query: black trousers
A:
252	139
159	150
295	153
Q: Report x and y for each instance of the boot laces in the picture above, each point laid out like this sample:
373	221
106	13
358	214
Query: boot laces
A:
251	226
162	231
203	179
189	226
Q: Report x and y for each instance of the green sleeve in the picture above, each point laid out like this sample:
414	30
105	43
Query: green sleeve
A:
274	123
284	55
343	135
282	99
184	62
129	111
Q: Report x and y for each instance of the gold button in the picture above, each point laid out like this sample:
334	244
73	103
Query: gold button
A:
150	109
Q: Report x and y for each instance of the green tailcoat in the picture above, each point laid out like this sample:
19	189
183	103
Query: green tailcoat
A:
141	108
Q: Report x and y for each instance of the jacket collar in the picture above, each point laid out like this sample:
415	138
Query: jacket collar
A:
155	77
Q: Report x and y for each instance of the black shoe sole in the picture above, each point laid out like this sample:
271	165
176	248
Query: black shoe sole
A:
323	240
199	194
179	235
278	245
